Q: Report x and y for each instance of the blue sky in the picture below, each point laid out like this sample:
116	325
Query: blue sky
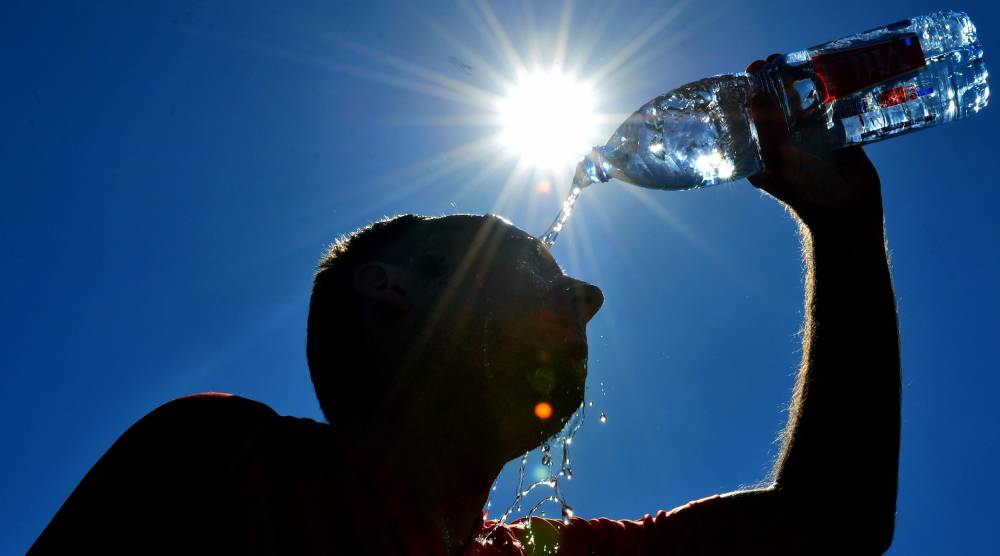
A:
170	174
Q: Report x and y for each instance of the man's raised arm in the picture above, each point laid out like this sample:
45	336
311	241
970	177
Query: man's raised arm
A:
839	461
841	444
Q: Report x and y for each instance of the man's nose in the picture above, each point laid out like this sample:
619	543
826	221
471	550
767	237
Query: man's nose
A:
585	298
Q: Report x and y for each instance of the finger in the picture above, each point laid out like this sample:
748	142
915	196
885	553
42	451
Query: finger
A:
769	123
772	131
756	64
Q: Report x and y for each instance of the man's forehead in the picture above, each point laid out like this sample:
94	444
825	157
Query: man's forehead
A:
474	228
460	235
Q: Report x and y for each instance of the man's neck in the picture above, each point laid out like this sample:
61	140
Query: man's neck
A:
447	470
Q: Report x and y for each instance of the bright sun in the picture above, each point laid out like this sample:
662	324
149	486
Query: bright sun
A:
548	119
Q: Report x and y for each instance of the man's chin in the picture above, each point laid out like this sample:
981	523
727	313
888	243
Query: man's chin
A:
564	405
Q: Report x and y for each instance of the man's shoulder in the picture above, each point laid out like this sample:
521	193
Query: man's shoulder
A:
208	407
205	424
176	467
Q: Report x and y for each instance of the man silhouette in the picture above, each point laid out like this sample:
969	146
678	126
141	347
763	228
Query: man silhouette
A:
425	336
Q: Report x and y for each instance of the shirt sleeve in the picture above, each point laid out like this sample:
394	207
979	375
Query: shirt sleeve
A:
681	531
675	532
146	482
742	522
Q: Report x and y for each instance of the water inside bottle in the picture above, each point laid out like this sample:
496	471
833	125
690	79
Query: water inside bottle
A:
694	136
882	83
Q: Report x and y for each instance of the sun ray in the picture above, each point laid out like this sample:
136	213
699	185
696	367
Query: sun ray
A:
623	256
509	187
508	55
429	89
481	65
486	98
500	35
562	34
589	255
583	50
621	62
450	120
581	242
472	16
433	85
609	234
470	258
682	228
531	31
449	158
481	174
626	72
639	41
191	377
409	181
573	245
473	96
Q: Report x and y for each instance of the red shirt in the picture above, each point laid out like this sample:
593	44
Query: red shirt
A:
224	474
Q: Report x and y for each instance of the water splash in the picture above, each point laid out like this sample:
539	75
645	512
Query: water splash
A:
551	481
548	239
592	169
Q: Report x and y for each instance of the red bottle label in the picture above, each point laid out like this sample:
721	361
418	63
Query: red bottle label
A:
898	95
846	71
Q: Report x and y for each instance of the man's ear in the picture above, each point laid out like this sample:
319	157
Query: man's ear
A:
379	284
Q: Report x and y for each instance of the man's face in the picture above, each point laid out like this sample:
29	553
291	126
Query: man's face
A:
506	323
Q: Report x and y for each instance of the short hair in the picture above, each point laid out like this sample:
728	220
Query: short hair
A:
343	388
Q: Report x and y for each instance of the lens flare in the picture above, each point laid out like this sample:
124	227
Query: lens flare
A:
543	410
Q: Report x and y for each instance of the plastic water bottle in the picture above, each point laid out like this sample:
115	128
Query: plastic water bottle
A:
882	83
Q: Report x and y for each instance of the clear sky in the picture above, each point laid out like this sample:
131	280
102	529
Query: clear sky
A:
170	174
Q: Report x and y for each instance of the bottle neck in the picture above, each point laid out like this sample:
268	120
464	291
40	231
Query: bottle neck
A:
592	169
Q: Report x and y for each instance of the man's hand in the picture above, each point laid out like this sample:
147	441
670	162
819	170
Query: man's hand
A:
843	184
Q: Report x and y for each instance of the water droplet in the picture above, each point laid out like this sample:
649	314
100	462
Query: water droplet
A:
604	418
546	454
544	477
567	513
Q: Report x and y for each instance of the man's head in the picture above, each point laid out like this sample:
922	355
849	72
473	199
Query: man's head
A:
466	316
